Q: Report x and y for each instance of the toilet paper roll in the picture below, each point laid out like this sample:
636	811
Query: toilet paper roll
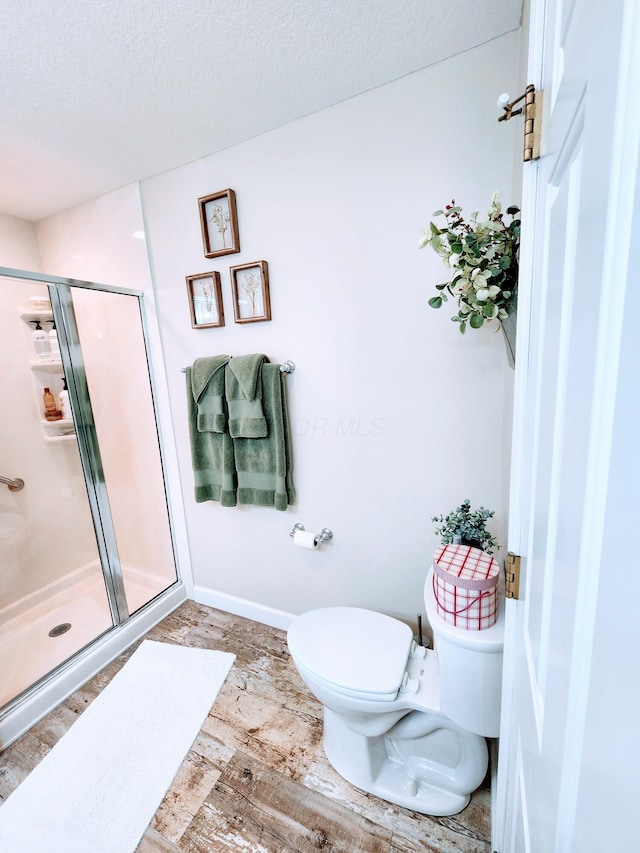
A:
305	539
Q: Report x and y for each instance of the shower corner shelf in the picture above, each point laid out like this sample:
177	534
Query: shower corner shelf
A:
64	423
51	373
49	366
28	314
57	431
59	439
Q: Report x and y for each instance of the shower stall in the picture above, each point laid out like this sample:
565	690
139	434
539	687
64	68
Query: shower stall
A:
87	558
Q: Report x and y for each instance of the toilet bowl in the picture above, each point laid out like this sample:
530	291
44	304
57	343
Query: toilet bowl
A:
405	723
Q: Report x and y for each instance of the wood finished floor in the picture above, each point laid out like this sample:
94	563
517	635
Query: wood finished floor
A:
256	779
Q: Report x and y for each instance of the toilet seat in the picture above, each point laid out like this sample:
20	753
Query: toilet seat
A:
363	654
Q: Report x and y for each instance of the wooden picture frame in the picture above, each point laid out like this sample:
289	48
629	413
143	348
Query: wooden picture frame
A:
205	300
250	286
219	223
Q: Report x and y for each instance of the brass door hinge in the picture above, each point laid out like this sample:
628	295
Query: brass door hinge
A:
512	576
532	123
532	110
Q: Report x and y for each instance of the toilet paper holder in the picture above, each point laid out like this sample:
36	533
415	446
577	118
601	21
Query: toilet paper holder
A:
324	536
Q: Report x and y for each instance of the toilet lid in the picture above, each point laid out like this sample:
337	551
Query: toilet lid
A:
354	649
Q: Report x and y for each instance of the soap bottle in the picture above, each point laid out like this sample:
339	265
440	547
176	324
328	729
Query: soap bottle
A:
41	342
51	411
53	341
63	399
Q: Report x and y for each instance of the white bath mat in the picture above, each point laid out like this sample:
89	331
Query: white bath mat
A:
99	787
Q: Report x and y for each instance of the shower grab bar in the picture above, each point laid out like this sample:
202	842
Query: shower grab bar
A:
14	485
285	367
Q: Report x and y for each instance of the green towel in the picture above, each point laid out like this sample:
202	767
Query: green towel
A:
263	465
243	391
207	387
212	459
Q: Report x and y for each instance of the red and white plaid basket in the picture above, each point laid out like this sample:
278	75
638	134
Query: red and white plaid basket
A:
465	586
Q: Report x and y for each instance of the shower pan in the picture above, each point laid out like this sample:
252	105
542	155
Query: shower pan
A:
87	559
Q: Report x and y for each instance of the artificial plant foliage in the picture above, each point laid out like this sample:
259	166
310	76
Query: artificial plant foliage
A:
468	524
483	259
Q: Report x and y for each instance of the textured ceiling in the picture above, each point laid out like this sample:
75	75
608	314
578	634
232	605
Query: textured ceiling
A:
96	95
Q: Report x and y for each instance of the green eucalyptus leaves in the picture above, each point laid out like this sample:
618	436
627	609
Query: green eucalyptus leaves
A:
483	259
467	524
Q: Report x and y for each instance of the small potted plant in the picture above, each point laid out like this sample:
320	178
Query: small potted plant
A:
464	526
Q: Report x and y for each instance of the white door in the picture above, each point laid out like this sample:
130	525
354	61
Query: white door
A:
568	741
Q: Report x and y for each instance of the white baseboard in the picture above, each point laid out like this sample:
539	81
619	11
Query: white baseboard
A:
242	607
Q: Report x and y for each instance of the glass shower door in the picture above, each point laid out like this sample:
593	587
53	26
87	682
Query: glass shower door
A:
87	541
111	336
53	600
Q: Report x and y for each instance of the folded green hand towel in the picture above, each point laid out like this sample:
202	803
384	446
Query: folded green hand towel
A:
243	391
212	457
264	465
207	387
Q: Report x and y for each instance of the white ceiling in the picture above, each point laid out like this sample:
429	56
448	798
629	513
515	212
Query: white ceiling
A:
96	95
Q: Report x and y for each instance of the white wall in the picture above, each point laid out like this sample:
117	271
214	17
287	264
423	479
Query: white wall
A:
100	241
53	500
395	415
95	242
18	250
18	244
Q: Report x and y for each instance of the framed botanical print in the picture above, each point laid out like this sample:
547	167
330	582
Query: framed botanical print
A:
205	300
219	223
250	286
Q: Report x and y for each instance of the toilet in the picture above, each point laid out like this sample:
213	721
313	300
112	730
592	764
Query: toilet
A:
401	721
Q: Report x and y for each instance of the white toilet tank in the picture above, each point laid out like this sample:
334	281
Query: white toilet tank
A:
470	664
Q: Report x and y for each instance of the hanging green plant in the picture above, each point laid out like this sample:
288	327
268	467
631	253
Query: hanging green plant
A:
483	258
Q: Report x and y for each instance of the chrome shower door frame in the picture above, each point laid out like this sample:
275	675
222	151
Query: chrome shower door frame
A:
24	711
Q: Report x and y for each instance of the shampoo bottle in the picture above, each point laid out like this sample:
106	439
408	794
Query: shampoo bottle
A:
53	341
63	399
51	412
41	342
